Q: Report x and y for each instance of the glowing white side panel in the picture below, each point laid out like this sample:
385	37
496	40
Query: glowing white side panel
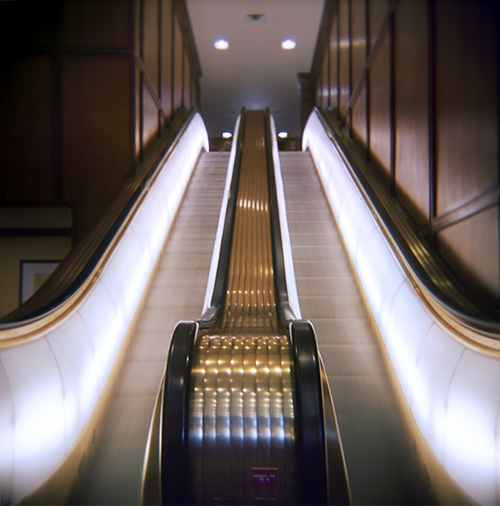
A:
453	391
222	218
37	428
293	298
50	386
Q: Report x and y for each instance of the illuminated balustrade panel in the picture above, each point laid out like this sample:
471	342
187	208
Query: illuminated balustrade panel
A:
51	384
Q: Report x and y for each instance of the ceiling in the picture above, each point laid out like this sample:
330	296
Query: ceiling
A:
254	71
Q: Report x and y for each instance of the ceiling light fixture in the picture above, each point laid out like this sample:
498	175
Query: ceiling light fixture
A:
288	44
226	135
283	135
221	44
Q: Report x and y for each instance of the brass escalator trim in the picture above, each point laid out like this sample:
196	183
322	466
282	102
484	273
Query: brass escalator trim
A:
241	417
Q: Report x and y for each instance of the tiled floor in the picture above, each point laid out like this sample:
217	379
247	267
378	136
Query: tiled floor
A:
378	451
177	292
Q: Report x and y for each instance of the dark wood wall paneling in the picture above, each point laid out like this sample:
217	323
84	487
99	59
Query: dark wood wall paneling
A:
417	85
23	142
168	70
149	73
87	88
412	109
20	100
94	53
178	84
343	51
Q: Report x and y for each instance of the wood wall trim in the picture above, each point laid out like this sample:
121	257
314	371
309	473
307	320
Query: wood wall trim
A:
330	11
431	20
147	80
481	203
180	9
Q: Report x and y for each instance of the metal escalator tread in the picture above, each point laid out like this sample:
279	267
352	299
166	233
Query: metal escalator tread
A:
241	415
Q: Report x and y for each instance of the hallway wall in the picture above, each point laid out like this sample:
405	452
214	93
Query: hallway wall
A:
417	85
87	89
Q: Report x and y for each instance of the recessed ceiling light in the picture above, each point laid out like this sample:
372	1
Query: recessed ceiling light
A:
283	135
226	135
288	44
221	44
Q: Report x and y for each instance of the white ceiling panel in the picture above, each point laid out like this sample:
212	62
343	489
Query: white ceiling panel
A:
254	72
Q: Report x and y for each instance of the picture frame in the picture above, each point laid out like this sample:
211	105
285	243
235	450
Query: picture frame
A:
33	274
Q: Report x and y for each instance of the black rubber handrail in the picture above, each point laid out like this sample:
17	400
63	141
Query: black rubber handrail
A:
96	253
211	314
424	266
312	487
174	472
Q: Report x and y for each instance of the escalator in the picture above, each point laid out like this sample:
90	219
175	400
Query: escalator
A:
243	403
396	386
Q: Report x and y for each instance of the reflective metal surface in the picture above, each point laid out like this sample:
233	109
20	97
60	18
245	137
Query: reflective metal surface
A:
241	418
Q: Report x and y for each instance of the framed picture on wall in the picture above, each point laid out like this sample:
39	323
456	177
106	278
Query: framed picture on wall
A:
34	273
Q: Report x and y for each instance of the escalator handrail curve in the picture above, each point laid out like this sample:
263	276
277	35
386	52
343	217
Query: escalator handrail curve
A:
174	417
310	437
95	259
